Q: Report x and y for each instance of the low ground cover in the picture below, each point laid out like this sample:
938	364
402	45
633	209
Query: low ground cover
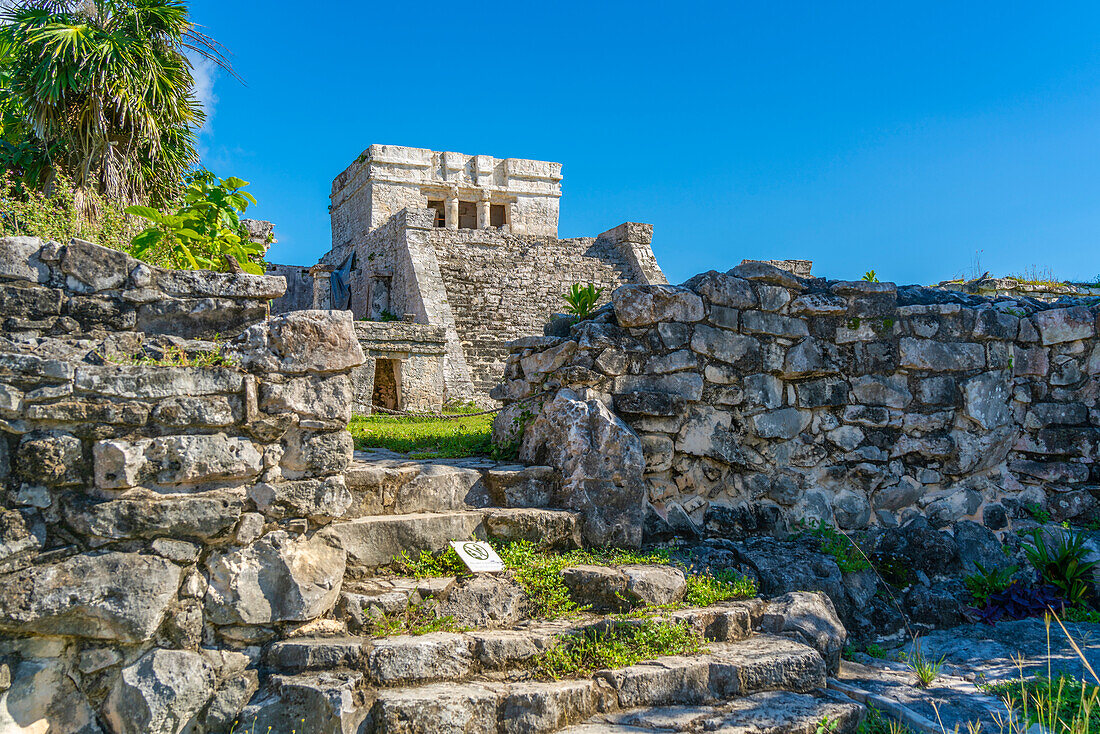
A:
1060	704
584	654
539	572
417	619
426	438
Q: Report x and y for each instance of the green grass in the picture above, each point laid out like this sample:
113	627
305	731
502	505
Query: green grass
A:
426	438
875	723
706	589
1061	705
848	555
584	654
416	620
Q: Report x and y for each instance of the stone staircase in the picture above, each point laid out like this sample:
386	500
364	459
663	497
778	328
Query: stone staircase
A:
482	680
402	505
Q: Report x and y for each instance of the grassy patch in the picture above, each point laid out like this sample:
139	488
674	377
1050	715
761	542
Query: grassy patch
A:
706	589
539	573
586	653
425	438
875	723
1061	705
416	620
848	555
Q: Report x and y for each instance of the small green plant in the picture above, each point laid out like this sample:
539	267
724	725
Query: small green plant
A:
826	726
1038	513
417	619
582	299
625	644
870	276
877	651
429	565
875	723
849	557
204	231
1062	564
1082	613
989	581
925	669
1061	704
706	589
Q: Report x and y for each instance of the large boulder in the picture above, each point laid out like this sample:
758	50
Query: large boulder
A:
601	462
276	579
811	617
159	694
114	596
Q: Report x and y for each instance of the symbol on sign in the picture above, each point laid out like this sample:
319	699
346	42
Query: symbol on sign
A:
475	551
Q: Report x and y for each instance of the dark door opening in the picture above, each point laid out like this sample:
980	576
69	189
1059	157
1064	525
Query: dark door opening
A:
467	215
387	373
496	215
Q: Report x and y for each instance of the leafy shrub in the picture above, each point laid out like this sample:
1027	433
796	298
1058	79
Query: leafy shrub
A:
1019	602
870	276
582	299
1063	566
706	589
204	231
987	582
849	557
26	211
623	645
428	564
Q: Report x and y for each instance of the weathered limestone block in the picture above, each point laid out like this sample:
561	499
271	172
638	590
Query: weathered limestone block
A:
18	544
222	285
722	289
43	697
928	354
547	360
756	270
50	458
811	357
321	500
200	516
20	260
986	399
91	268
763	322
160	694
784	423
175	460
276	579
644	305
811	617
325	703
624	587
688	386
216	411
327	398
819	304
484	602
113	596
726	346
601	462
822	392
1058	325
650	403
889	390
301	341
150	383
313	452
1051	471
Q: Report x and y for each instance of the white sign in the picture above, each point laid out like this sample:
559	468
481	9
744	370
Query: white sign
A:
478	556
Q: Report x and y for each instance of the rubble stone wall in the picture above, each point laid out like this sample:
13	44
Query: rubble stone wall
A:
159	523
762	399
49	288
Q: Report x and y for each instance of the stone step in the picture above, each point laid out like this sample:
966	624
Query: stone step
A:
385	483
346	700
375	540
770	712
452	656
728	670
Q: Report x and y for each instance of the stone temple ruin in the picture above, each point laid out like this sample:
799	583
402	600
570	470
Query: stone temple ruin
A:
183	547
464	243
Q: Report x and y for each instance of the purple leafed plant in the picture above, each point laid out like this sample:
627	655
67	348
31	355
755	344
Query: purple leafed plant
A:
1019	602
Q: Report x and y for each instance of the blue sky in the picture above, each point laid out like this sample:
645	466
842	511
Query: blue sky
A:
923	140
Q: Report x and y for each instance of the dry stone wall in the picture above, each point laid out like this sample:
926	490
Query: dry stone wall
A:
761	399
159	523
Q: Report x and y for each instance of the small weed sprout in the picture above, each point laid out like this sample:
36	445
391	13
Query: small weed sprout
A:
582	299
925	669
870	276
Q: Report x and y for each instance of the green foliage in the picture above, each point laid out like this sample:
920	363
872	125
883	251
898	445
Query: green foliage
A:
925	669
204	231
986	582
877	651
1063	565
104	90
849	557
26	211
423	437
1081	613
428	564
826	726
418	619
179	357
706	589
870	276
1038	513
1061	705
625	644
582	299
875	723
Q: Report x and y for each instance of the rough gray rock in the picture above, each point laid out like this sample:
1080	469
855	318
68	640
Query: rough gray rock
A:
301	341
809	616
642	305
484	601
114	596
276	579
42	694
325	703
160	694
607	588
601	462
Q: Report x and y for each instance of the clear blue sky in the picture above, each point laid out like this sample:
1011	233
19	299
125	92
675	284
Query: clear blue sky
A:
912	138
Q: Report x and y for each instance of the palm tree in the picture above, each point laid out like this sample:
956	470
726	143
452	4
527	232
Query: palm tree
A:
106	88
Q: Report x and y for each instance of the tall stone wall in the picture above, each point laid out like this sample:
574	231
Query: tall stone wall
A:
159	522
762	399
